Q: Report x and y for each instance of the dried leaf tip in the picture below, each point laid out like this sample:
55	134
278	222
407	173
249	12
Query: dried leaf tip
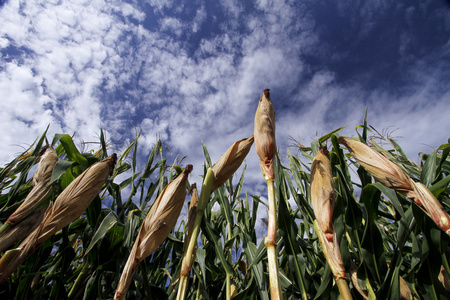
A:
323	150
112	160
264	133
188	169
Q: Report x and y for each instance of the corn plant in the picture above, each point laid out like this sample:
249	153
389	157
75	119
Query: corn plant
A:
388	221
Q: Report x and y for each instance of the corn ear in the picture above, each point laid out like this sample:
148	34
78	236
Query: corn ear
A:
76	197
156	227
40	191
322	192
22	229
46	164
381	168
231	161
392	176
427	201
68	206
264	133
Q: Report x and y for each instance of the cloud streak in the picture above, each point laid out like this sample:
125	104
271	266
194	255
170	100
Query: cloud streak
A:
194	72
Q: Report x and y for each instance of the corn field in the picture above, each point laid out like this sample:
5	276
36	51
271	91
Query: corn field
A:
95	225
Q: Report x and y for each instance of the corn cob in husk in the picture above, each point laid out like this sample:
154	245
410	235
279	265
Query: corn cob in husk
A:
22	229
322	199
225	167
40	191
266	148
68	206
156	227
264	133
392	176
230	161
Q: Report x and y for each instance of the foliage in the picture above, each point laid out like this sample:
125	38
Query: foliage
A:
385	239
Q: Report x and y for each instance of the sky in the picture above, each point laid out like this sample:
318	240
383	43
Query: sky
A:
192	71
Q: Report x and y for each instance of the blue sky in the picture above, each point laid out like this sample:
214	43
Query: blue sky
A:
192	71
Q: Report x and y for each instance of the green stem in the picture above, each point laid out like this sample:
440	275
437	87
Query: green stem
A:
343	288
182	286
5	227
197	297
228	275
228	292
79	281
271	244
335	267
205	193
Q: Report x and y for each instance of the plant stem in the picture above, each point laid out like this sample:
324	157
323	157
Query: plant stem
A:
79	281
228	292
187	259
343	288
338	272
5	227
271	244
182	286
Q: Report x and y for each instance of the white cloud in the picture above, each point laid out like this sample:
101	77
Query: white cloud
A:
69	51
187	93
200	17
172	25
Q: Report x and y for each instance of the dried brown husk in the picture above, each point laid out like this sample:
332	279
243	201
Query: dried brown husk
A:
231	161
68	206
384	170
392	176
444	278
322	192
264	134
22	229
156	227
76	197
41	189
425	198
354	277
332	253
405	291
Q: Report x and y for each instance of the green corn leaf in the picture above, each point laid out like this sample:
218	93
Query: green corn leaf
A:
214	238
72	152
108	222
428	174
